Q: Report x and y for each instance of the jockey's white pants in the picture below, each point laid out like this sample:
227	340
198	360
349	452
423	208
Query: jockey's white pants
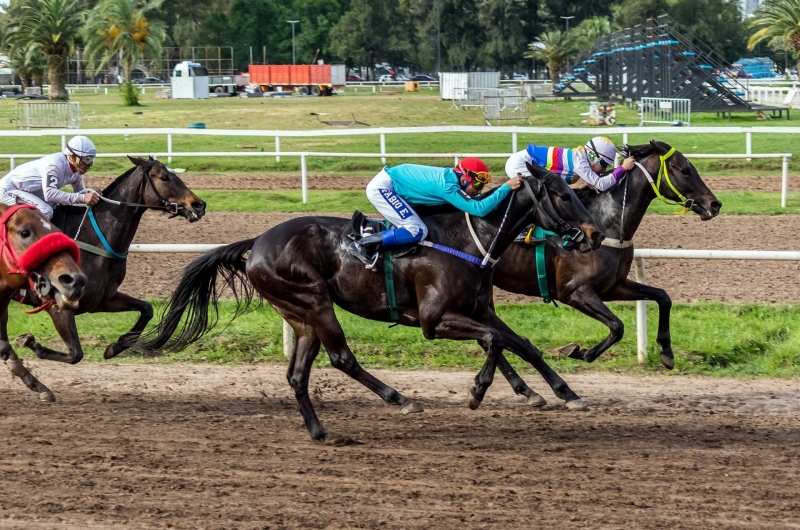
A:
14	196
380	192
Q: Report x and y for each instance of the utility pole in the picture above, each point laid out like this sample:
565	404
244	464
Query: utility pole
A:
293	22
438	38
567	19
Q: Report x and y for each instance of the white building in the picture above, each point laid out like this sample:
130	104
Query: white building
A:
748	7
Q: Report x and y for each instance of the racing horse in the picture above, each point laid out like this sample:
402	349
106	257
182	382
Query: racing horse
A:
35	256
302	268
104	239
585	281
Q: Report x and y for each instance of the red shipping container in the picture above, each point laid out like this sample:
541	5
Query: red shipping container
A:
321	74
301	75
280	75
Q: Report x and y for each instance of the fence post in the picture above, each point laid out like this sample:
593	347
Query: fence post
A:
784	180
277	148
169	147
641	315
106	89
13	163
513	143
455	160
288	340
63	141
373	89
748	143
383	148
304	177
624	138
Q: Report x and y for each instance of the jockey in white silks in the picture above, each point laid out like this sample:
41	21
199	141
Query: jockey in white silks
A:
39	182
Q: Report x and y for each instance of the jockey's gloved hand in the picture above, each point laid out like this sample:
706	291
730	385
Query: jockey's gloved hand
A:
91	197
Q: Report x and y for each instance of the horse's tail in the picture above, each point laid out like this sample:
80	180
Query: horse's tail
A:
198	292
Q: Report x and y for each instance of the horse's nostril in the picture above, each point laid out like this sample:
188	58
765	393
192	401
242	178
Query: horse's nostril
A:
66	280
598	236
716	206
199	205
72	280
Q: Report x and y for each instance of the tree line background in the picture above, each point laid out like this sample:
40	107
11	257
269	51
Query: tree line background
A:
462	34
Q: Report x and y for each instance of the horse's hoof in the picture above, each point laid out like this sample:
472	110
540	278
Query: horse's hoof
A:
474	402
47	397
338	440
571	350
576	404
111	351
412	407
536	400
667	361
26	341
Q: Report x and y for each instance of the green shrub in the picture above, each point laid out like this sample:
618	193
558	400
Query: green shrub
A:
129	94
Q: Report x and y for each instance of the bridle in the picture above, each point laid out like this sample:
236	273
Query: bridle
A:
571	235
33	256
687	204
163	204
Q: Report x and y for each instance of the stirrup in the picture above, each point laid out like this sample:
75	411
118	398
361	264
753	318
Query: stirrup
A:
361	253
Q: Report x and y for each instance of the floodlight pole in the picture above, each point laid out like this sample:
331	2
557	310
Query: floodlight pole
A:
567	19
293	22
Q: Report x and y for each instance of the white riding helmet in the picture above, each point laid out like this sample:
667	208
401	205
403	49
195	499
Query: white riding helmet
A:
80	146
601	148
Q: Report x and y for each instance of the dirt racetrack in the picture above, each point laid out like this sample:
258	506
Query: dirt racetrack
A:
179	446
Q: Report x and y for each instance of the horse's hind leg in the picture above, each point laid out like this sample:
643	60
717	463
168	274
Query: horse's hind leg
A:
519	386
305	351
14	363
64	322
119	303
330	332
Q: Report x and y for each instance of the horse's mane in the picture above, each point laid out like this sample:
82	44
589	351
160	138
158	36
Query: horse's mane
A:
428	211
117	182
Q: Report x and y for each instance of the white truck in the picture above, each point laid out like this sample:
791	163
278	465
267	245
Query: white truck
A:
218	84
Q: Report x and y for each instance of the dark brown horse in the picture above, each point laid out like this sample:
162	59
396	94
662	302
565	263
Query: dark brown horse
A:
35	256
148	185
302	268
586	281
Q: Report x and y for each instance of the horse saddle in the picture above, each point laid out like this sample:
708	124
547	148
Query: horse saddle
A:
362	226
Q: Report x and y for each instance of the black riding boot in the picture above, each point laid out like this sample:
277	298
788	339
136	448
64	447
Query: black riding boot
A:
366	249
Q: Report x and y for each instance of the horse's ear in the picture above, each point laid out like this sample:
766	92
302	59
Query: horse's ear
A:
150	158
539	173
141	162
659	149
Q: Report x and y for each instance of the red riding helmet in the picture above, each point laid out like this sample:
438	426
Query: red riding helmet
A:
475	171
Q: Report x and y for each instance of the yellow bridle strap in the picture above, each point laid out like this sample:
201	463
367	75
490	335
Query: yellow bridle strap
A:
662	171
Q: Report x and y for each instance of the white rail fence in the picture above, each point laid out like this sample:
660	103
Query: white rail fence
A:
780	96
382	133
639	255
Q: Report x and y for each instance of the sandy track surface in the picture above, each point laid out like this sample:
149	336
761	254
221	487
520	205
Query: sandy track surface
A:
685	280
177	446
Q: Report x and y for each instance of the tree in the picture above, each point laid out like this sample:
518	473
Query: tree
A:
503	35
554	47
120	30
29	64
589	30
779	23
50	27
718	23
316	17
629	13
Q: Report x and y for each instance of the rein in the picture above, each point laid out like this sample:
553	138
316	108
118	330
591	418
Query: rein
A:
33	256
108	252
663	172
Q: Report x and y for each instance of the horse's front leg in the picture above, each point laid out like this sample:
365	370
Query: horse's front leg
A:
587	302
628	290
64	322
13	362
119	303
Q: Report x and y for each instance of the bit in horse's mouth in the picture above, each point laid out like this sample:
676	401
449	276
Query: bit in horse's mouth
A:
64	302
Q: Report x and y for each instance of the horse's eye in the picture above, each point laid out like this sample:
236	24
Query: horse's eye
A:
25	233
164	176
685	171
565	197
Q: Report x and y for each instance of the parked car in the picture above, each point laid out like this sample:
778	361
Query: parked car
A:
148	81
355	78
422	77
519	77
385	78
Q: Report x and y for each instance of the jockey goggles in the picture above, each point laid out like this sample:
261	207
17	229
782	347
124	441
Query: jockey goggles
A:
600	159
85	160
478	179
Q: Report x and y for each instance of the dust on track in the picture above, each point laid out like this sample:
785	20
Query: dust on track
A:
196	446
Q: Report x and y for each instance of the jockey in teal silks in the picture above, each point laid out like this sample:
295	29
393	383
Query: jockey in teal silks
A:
391	191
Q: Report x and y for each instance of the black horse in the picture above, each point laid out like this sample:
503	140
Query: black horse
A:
585	281
148	185
302	268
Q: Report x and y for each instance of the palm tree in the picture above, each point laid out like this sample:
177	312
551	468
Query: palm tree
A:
589	30
779	21
49	28
120	30
29	64
554	47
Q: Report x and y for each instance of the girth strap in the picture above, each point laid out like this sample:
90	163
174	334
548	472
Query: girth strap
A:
477	241
388	272
616	243
111	253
